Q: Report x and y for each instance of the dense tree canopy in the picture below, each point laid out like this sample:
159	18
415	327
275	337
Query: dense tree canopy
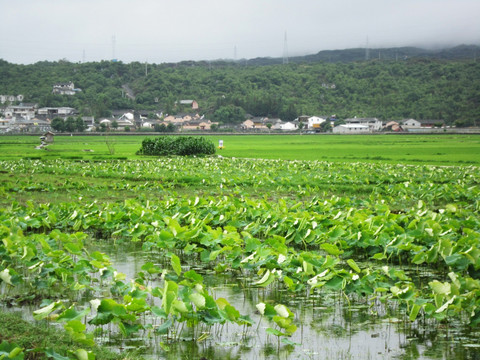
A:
229	114
388	89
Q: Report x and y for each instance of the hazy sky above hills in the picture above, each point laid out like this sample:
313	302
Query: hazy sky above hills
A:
159	31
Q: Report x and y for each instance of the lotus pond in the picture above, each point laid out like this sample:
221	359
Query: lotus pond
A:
220	258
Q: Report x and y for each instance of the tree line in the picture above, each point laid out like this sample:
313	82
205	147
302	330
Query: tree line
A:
418	88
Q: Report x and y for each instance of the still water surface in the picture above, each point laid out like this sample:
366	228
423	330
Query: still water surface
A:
328	327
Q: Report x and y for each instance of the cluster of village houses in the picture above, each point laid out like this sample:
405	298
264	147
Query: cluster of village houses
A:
29	118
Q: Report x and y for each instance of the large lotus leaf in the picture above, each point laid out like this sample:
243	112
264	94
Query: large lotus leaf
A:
209	301
285	324
168	300
266	280
47	310
137	305
212	317
51	354
230	313
275	332
150	268
11	351
72	314
129	329
193	276
158	312
414	312
332	249
336	283
76	329
82	354
198	300
175	261
180	306
75	326
111	306
73	248
163	329
353	265
439	287
101	319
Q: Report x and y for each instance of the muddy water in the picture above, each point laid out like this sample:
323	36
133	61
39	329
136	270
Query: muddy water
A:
328	327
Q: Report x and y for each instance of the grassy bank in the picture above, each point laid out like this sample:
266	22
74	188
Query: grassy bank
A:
36	338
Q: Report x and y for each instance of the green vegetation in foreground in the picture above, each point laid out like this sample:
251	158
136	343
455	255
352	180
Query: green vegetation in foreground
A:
402	236
445	149
27	335
406	237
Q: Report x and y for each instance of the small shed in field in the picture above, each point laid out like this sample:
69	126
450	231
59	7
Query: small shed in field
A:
49	137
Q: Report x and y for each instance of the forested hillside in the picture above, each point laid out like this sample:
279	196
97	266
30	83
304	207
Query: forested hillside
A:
420	88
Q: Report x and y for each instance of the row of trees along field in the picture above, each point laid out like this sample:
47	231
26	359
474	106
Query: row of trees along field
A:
413	88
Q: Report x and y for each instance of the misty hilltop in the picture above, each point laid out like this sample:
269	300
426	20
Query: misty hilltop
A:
460	52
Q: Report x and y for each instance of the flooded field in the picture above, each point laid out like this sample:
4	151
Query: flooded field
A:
215	258
329	327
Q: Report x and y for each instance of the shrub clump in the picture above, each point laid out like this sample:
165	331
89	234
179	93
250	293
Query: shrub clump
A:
177	145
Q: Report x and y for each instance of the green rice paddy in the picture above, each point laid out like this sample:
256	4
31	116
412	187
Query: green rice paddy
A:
444	149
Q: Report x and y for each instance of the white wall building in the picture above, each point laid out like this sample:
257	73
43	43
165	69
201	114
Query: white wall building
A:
65	88
411	123
56	111
284	126
314	122
25	111
373	124
351	129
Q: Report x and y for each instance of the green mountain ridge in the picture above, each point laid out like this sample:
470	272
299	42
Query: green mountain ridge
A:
400	83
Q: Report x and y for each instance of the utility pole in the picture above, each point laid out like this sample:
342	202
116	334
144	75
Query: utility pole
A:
367	51
114	44
285	50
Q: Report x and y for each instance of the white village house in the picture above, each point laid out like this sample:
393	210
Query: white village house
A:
411	123
56	111
373	124
190	103
351	129
26	111
67	88
314	122
285	126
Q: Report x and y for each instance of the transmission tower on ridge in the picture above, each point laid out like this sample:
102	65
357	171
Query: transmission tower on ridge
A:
367	51
285	50
114	43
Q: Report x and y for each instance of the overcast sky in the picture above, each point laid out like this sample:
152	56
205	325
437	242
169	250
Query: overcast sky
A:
159	31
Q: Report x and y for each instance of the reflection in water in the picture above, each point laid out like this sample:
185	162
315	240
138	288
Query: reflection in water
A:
327	327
